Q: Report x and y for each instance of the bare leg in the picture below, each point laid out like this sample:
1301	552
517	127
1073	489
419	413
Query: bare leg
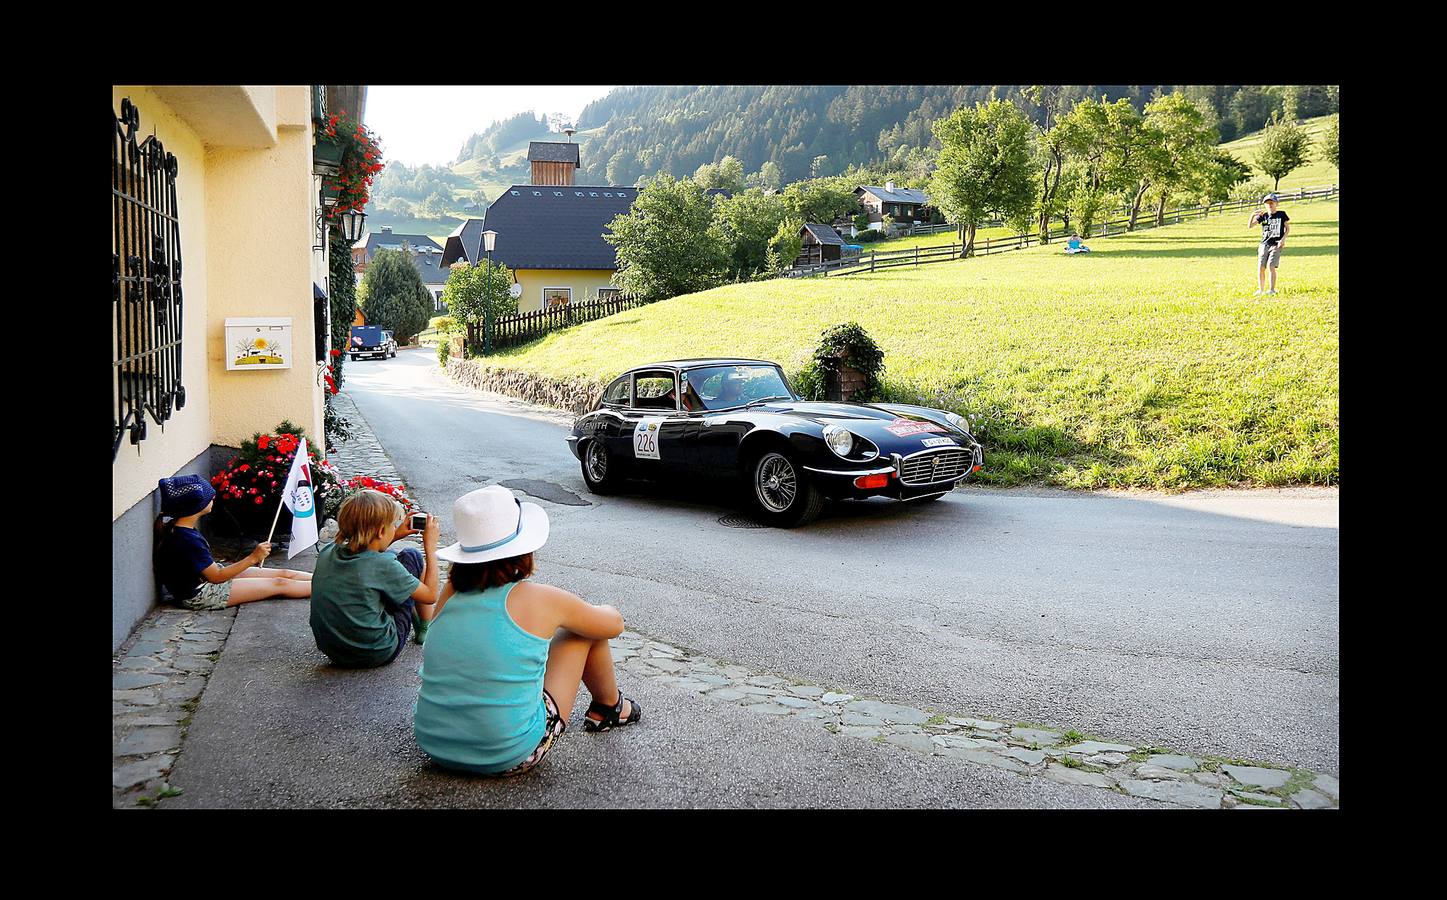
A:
573	659
1273	278
1261	279
250	590
259	572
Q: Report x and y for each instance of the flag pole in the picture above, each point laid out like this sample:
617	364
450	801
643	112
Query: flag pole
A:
274	519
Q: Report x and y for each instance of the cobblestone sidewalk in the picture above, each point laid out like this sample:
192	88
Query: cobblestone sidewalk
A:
1207	782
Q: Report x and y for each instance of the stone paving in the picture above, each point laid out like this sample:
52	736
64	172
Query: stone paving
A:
160	673
1206	782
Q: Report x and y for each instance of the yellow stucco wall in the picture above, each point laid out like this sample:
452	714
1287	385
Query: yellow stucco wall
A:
247	229
584	282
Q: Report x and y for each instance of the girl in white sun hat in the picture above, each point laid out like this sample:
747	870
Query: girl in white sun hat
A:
504	656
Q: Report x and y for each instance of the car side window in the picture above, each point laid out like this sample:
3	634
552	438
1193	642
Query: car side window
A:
617	392
654	390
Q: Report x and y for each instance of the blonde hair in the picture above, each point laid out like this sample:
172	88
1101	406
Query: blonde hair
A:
362	517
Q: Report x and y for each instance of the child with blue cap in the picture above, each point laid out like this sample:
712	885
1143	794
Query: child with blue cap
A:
185	568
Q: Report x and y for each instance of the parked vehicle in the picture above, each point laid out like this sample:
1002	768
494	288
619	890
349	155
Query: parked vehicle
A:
739	418
371	341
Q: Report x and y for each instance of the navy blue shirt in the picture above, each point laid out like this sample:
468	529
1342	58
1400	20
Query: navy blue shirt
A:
1271	224
180	558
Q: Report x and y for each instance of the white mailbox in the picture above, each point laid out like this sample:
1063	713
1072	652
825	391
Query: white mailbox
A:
258	343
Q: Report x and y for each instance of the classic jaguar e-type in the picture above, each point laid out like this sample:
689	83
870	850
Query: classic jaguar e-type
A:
738	418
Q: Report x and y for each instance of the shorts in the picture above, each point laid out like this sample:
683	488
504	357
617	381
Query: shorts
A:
209	597
555	727
1268	255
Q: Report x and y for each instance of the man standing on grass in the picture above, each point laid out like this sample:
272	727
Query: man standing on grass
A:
1274	229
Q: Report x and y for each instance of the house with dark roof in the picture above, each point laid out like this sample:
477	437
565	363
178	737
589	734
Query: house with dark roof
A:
553	162
820	244
551	237
904	205
425	253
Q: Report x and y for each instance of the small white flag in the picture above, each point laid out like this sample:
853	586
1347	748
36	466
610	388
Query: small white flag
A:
297	495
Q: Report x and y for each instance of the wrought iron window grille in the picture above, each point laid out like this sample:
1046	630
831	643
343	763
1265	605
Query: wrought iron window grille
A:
145	281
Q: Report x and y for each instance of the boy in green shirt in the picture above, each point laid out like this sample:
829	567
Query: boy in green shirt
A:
364	599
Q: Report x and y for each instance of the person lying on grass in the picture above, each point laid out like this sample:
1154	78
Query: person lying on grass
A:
505	655
365	598
185	568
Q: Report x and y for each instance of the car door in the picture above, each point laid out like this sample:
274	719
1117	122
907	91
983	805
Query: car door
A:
654	427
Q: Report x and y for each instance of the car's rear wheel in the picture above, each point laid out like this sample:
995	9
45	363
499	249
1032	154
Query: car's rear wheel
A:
600	470
783	496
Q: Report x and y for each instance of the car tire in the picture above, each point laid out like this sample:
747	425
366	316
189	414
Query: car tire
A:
782	496
600	468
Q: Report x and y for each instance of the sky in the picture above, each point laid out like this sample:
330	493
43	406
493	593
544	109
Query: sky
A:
418	124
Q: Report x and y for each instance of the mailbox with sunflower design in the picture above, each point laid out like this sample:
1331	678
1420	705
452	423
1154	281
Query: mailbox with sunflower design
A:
255	344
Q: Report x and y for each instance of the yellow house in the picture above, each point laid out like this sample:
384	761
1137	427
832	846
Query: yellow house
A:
549	233
214	218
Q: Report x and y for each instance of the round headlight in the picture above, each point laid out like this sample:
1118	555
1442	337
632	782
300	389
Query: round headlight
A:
839	440
958	421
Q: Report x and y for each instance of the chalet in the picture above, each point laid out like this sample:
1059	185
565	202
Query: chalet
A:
551	237
904	205
549	233
821	244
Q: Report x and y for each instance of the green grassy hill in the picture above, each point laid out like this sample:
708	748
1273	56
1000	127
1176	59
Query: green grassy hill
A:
1316	173
1144	364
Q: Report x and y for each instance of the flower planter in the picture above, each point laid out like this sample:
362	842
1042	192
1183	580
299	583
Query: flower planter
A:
330	192
326	157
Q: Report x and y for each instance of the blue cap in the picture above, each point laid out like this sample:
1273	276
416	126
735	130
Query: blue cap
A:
1271	197
184	495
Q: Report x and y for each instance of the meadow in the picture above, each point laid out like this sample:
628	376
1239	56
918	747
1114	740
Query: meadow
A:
1146	363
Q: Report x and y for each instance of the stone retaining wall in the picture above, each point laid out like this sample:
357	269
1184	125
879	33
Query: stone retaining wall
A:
576	395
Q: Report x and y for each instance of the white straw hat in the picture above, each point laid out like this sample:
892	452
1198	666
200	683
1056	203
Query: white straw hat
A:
493	524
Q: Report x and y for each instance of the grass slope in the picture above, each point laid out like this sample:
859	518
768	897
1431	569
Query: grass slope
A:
1144	364
1316	173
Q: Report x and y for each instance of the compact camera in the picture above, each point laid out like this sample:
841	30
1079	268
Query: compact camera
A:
418	522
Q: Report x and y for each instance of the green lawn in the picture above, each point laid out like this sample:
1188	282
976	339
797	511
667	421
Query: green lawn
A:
1144	364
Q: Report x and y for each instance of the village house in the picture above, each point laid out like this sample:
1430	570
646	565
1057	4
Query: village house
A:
549	233
904	205
424	252
216	216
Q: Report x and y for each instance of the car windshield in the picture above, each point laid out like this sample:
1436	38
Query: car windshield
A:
726	387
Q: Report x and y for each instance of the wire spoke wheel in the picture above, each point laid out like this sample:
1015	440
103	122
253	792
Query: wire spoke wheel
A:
776	483
597	462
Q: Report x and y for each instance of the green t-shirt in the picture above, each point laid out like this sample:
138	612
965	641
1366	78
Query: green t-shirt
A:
350	598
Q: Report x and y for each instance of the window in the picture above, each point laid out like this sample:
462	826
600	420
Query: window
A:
607	194
609	293
145	281
537	193
592	193
557	193
653	390
557	296
617	392
515	193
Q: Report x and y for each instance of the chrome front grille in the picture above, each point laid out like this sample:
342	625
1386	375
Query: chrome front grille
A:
935	466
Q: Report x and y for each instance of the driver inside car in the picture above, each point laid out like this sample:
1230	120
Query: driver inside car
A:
730	391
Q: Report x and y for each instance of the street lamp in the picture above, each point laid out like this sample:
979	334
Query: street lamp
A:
352	222
489	241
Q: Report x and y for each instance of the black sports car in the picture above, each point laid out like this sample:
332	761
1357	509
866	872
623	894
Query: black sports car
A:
739	418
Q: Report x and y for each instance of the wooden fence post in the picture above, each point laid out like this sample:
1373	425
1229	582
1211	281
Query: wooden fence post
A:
916	256
871	260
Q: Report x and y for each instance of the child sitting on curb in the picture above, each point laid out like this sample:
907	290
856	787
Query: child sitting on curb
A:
363	599
184	565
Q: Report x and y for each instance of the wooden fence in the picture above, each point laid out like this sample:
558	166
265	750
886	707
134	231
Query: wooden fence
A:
873	261
509	331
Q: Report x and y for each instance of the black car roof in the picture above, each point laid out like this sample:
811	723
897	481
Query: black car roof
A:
679	364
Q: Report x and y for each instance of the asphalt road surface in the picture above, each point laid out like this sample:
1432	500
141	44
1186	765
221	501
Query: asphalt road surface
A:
1206	623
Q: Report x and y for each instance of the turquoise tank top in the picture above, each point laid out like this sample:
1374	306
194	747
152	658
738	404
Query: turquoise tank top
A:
480	708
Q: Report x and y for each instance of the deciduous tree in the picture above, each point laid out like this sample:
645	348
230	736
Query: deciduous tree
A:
1284	149
1331	143
665	245
984	166
472	290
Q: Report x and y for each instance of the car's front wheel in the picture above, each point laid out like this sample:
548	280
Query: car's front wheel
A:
600	470
782	495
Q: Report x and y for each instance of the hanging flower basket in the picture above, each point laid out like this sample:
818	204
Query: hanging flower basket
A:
331	190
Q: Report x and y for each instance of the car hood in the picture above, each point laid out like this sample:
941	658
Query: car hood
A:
891	426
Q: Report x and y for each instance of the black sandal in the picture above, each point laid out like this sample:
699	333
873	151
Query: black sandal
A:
611	714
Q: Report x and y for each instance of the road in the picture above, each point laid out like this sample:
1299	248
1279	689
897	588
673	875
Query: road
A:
1206	623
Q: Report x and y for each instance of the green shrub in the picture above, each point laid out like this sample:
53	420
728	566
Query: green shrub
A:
444	349
868	236
442	323
840	346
